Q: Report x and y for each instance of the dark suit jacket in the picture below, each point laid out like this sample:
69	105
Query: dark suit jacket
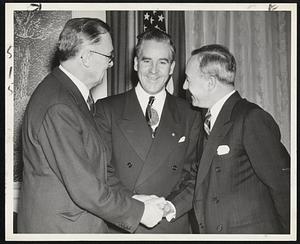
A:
246	190
145	165
64	180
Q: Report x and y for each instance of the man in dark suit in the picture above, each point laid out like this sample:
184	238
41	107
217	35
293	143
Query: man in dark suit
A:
243	180
152	134
64	180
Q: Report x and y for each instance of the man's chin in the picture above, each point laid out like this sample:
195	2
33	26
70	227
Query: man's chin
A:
194	102
153	90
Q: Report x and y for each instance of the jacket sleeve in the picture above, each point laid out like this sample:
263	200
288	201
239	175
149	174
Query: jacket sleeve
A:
63	135
270	160
182	195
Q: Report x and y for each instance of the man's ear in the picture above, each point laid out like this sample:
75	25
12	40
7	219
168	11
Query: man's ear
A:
212	82
172	68
85	58
135	66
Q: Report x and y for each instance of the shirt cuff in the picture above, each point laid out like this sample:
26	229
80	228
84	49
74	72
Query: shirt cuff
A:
172	214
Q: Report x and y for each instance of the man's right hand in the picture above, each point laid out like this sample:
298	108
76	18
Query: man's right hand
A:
153	211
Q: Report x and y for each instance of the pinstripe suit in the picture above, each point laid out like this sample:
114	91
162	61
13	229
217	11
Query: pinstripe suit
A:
246	190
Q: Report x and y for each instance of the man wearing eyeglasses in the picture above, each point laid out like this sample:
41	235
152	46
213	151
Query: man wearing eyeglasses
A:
65	186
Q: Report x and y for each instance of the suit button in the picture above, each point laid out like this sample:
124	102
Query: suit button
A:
201	225
129	164
219	228
174	167
216	200
218	169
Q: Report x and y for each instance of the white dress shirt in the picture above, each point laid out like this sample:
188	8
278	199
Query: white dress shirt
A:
216	108
80	85
158	104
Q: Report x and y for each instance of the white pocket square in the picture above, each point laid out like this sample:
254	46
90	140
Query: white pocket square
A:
182	139
223	149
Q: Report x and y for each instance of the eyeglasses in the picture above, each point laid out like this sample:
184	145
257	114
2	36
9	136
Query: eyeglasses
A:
110	57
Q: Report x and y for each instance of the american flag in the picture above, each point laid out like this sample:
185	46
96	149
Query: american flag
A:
154	19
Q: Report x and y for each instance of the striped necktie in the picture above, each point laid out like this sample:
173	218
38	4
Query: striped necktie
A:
207	122
91	103
151	115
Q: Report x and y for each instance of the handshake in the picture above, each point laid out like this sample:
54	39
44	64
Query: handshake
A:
155	209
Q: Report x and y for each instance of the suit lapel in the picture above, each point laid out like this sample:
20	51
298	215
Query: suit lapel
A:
220	129
134	126
168	134
74	92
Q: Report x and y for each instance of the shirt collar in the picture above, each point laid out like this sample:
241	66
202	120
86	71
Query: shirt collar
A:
216	108
80	85
143	98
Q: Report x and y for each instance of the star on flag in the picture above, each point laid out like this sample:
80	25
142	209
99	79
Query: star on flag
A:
154	19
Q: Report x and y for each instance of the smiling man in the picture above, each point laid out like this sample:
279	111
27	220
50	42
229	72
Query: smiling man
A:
243	180
152	134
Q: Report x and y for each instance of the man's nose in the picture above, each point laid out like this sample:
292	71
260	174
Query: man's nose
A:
153	68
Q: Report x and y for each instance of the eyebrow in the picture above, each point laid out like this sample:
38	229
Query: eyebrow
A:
164	59
161	59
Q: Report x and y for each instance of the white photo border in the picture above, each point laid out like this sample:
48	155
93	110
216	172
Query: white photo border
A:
9	118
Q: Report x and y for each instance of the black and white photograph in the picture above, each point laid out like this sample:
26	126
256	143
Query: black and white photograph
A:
150	121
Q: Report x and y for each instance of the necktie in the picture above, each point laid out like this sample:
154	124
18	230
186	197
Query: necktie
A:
91	103
151	115
207	122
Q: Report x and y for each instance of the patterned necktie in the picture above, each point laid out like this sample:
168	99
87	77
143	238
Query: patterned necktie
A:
207	122
151	115
91	103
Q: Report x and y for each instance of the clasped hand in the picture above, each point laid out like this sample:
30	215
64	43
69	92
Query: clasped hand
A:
155	209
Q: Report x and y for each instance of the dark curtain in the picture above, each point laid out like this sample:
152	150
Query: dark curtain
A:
176	28
119	76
